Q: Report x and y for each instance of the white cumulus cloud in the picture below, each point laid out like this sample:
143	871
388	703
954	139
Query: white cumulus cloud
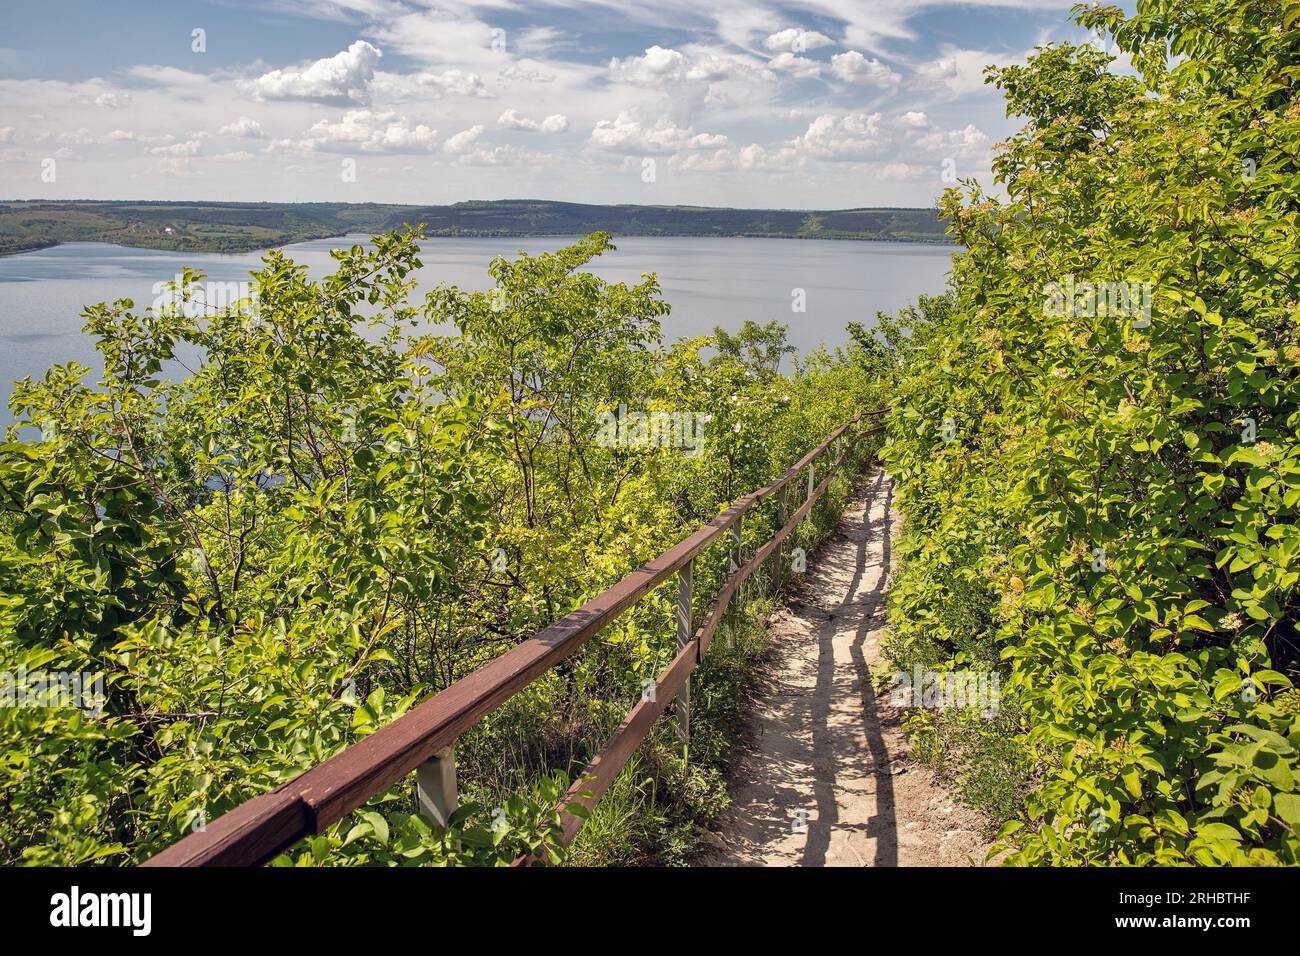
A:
969	138
188	148
244	126
342	78
851	136
459	82
526	74
962	71
660	67
798	66
115	101
463	140
853	67
627	133
512	119
796	41
370	131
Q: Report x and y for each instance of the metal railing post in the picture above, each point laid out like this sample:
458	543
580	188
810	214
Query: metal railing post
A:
684	632
435	787
733	612
776	552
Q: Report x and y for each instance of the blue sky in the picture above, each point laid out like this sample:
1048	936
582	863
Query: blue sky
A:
817	103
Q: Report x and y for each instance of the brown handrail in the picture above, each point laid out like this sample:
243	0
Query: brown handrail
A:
259	829
596	779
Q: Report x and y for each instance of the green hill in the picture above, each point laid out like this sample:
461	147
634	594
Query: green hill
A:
522	217
240	227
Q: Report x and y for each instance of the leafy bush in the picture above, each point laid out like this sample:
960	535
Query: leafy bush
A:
342	510
1113	513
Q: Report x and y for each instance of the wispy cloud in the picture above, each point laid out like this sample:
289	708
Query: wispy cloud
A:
746	102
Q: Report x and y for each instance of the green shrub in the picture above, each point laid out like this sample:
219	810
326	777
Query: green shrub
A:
334	516
1108	505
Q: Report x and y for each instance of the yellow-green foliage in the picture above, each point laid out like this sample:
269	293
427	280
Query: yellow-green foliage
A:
1114	518
324	523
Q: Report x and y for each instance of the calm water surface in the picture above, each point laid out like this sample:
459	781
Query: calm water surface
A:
707	282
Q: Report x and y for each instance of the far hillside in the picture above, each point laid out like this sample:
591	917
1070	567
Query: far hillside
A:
241	227
522	217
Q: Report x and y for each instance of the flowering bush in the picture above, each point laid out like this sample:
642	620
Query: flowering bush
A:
1112	517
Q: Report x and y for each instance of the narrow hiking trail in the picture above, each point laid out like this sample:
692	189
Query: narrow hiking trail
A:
825	778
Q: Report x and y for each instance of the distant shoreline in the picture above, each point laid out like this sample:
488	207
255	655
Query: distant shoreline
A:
221	227
462	235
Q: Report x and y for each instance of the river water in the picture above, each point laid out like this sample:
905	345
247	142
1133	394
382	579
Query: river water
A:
708	282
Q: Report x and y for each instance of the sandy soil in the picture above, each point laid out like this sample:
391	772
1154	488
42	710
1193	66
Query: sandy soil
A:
825	779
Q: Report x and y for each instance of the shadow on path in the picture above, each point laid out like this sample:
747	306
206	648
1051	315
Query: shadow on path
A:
869	539
825	778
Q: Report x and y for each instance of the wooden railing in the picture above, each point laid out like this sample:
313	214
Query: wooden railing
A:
421	740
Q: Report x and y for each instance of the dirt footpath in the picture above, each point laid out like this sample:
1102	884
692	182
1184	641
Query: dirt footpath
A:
826	779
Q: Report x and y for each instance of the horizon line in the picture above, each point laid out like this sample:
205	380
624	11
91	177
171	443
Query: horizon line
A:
431	205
